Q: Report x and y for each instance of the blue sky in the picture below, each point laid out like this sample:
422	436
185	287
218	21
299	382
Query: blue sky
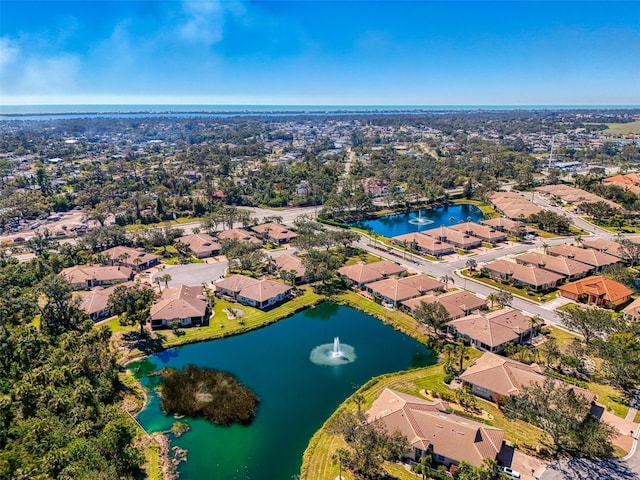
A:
320	52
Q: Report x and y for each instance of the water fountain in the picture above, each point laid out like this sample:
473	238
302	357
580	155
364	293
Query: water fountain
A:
420	220
333	353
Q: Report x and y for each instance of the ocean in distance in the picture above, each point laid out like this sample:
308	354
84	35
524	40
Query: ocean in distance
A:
50	112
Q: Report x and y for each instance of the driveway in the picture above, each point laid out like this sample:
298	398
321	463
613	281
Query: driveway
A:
585	469
193	274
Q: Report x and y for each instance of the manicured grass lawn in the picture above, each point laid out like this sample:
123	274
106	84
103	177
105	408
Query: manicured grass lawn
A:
487	210
363	257
316	464
401	321
521	292
221	326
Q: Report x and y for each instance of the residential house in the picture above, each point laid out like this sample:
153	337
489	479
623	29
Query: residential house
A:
432	430
201	245
605	246
424	244
88	276
457	303
239	235
256	293
187	305
275	233
483	232
392	291
492	376
598	260
567	267
135	258
492	331
95	302
291	263
513	206
529	275
363	273
506	225
600	291
632	311
454	237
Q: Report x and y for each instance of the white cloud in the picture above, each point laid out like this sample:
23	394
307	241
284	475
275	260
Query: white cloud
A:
204	20
22	72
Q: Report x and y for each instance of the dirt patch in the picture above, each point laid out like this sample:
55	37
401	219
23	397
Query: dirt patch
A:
233	313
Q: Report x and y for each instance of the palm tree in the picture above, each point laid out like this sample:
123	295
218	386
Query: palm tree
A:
446	279
425	465
341	457
578	240
493	298
471	264
359	400
545	247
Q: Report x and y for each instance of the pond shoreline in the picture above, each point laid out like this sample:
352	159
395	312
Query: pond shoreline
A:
382	319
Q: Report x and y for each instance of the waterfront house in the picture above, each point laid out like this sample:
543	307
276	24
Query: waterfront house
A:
255	293
392	291
456	238
432	430
424	244
362	273
457	303
492	376
187	305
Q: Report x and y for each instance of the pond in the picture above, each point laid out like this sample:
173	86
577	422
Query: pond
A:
399	224
296	395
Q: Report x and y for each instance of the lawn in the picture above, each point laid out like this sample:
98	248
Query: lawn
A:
487	210
365	257
623	128
400	321
519	291
152	461
317	463
221	326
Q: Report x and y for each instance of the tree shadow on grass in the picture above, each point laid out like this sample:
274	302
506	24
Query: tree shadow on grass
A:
148	345
591	469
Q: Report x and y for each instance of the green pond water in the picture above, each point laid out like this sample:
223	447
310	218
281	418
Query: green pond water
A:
296	395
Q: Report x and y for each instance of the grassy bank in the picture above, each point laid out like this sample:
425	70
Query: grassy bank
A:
317	464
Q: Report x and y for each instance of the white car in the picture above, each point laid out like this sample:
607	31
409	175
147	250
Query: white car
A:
512	473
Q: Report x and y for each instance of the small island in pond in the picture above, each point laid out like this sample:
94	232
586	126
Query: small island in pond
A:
203	392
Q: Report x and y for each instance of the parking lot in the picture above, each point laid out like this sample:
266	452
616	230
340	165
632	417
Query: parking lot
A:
193	274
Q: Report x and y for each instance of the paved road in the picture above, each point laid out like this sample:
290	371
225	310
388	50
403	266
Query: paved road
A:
193	274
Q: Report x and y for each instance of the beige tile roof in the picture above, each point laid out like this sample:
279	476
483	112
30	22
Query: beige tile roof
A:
527	274
512	205
483	232
369	272
449	235
132	254
200	243
507	377
453	310
274	231
584	255
425	242
464	299
574	195
398	289
504	224
180	302
633	309
602	245
427	423
560	265
96	300
250	288
291	262
83	273
494	328
239	235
